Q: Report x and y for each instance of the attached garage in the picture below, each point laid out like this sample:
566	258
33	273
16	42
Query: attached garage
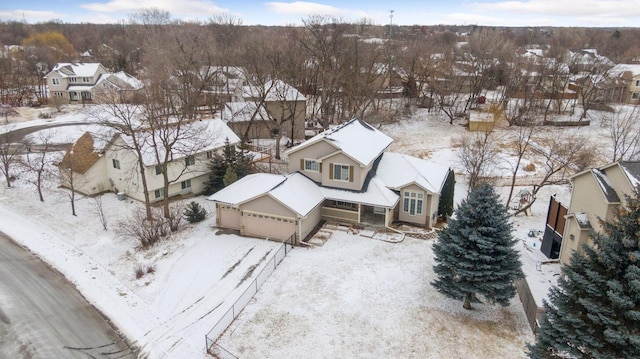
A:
268	226
229	217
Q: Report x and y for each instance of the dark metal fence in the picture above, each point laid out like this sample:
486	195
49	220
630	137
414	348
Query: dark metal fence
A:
227	318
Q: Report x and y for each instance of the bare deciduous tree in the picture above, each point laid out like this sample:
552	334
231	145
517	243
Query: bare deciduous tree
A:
624	130
10	152
98	209
39	162
478	156
562	154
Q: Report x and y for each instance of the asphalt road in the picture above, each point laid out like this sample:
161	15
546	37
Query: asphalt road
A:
43	316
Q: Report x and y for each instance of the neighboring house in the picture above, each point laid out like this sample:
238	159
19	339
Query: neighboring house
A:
259	109
225	84
345	175
629	74
100	165
87	82
597	194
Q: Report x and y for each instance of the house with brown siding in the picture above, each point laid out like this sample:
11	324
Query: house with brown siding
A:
344	174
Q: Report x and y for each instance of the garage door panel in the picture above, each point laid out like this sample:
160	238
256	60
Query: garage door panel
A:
271	227
230	218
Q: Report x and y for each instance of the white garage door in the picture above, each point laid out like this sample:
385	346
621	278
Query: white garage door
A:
264	226
229	217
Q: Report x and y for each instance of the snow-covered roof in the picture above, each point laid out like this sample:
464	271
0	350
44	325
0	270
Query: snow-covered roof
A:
397	170
582	219
75	69
294	191
216	131
356	139
274	90
375	194
131	81
632	171
620	69
242	111
605	185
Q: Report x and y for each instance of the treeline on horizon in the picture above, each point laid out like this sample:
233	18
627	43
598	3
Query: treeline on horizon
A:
621	45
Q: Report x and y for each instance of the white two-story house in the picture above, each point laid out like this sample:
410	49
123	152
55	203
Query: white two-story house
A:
102	163
86	82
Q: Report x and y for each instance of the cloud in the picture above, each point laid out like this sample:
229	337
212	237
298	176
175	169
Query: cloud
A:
569	8
30	15
196	8
304	8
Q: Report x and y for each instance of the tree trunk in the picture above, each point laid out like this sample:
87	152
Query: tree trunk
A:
467	301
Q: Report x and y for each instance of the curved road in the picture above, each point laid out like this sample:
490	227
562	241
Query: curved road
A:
43	316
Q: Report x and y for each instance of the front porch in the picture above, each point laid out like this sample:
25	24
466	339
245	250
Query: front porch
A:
356	213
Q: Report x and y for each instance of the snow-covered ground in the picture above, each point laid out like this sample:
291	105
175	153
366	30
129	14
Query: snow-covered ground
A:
352	297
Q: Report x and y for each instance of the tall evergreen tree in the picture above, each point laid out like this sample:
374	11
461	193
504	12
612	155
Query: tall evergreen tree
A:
445	205
594	312
475	254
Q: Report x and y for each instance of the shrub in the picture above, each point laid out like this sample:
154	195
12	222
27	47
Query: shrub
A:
531	167
145	231
139	271
194	212
151	269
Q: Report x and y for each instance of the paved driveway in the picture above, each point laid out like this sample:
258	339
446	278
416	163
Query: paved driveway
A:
43	316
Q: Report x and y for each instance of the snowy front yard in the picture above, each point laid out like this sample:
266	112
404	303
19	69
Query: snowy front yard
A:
354	297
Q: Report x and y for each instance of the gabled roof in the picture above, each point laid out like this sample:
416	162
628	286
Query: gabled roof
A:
397	170
620	69
632	170
294	191
242	112
375	194
215	128
582	219
605	185
273	90
356	139
121	80
81	156
74	69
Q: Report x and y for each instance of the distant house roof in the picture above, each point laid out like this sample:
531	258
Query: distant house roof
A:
356	139
122	80
218	131
294	191
397	170
273	90
620	69
243	111
75	69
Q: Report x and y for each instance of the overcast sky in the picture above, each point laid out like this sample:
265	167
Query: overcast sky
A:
588	13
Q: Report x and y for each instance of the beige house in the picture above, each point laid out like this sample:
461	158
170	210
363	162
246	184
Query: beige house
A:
345	175
97	166
259	109
597	193
87	82
629	74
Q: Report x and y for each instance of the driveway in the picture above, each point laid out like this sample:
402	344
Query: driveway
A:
43	316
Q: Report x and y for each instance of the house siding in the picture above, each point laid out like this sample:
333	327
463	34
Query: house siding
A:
357	173
309	223
266	204
420	219
315	151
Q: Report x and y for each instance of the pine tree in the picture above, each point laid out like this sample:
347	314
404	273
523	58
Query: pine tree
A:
475	254
229	176
194	212
594	312
445	205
